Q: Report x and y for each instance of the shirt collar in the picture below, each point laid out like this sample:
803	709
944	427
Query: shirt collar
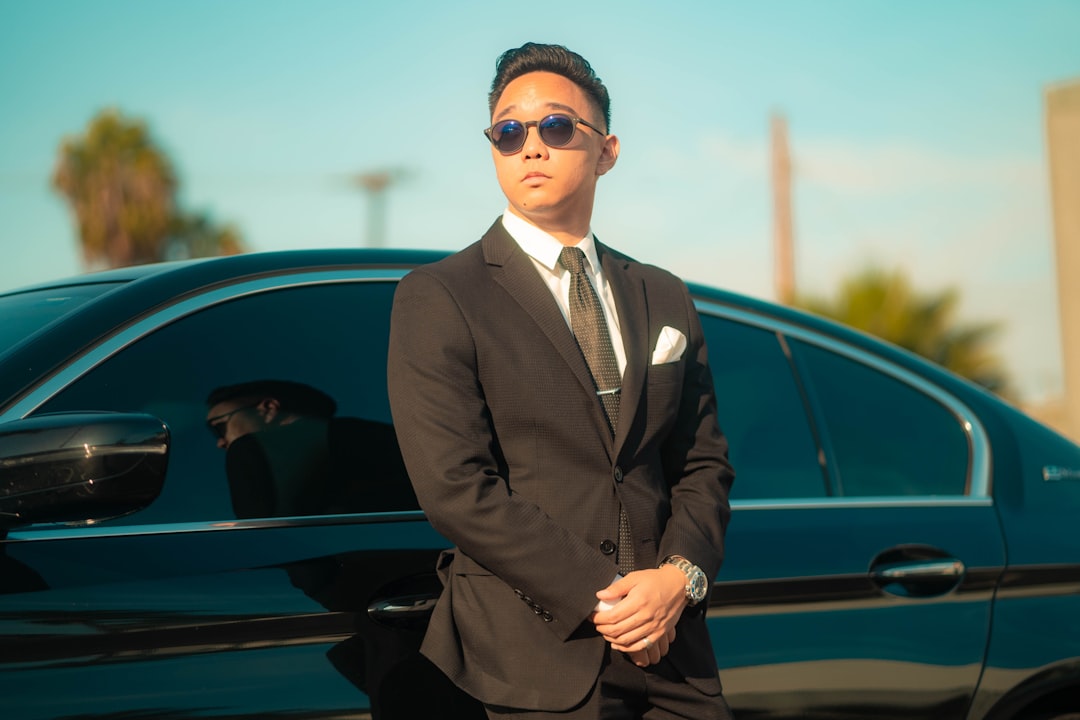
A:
542	247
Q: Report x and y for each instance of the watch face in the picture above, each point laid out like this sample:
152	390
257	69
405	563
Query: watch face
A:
698	585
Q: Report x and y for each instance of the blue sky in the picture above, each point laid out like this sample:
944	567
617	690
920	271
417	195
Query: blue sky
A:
916	131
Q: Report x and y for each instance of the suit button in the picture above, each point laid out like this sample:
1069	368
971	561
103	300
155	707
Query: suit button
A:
519	593
618	474
607	547
547	616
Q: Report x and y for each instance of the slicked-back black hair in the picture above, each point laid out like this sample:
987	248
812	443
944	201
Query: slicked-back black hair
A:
294	397
536	57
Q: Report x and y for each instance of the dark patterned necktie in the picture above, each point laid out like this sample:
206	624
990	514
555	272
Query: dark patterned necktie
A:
591	330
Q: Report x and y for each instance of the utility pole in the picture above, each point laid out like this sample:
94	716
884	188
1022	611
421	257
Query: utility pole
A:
375	184
783	234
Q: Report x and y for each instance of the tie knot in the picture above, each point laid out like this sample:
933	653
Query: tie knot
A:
573	260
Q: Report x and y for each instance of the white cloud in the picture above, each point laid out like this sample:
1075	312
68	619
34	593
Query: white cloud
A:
871	168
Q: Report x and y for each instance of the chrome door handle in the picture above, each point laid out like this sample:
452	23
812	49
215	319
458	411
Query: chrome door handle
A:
924	570
918	577
402	607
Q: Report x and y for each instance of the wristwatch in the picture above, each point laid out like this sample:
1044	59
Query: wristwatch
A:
696	582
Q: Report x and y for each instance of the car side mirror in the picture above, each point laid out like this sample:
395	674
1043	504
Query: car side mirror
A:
80	467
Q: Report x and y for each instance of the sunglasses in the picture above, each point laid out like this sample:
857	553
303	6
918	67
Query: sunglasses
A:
218	423
508	136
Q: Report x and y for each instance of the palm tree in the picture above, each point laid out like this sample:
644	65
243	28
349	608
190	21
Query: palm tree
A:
884	304
121	188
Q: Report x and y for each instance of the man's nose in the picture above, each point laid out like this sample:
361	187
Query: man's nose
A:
534	147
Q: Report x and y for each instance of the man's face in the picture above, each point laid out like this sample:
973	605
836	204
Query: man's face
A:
233	419
552	187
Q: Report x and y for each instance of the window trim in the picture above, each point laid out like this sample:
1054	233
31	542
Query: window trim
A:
883	501
44	532
978	443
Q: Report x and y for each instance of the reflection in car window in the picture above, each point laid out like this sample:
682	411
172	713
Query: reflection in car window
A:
886	438
762	414
329	337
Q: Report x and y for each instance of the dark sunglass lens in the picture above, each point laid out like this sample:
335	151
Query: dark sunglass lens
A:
556	130
509	135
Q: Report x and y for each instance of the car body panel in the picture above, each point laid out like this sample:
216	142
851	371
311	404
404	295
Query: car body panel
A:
808	617
245	612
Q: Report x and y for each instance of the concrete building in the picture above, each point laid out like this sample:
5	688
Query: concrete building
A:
1062	104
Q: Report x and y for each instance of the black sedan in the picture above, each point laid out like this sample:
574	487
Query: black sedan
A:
903	544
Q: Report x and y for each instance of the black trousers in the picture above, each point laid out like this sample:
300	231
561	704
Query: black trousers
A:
624	691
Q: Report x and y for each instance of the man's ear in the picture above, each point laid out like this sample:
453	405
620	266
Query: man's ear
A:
269	409
608	155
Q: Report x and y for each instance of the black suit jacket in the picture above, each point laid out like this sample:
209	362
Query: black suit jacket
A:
512	459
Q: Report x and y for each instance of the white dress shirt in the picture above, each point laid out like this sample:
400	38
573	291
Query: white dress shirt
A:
544	251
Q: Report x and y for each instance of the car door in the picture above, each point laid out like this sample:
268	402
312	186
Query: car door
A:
191	609
863	548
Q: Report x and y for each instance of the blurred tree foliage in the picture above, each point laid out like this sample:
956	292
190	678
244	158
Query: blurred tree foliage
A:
122	189
194	235
884	304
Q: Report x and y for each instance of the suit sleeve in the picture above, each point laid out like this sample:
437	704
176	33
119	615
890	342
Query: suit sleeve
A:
451	452
695	457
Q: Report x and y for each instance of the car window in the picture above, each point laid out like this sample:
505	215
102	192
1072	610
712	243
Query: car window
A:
762	413
324	341
884	436
24	313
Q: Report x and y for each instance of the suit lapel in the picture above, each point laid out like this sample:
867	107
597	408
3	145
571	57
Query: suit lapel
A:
515	272
629	294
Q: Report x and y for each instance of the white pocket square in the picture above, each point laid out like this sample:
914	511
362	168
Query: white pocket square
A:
669	346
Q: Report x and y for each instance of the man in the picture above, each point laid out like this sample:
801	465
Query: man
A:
275	434
557	417
287	453
241	409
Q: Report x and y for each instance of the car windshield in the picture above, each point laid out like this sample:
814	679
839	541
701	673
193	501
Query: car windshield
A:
23	314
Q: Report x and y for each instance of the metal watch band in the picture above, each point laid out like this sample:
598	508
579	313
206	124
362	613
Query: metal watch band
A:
688	569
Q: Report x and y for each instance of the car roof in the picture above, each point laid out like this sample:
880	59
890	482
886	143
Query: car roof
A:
230	266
